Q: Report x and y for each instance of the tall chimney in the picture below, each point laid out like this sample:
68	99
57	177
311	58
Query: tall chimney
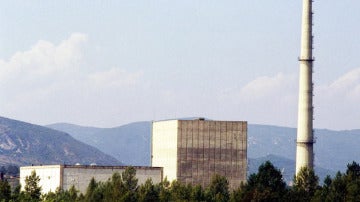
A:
305	136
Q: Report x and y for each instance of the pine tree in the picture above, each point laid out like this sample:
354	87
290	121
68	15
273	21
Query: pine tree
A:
218	190
5	190
306	183
130	184
148	192
32	189
266	185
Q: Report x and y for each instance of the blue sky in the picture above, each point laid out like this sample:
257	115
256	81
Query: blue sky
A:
107	63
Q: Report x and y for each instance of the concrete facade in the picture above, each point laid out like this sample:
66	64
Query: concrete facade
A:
66	176
192	151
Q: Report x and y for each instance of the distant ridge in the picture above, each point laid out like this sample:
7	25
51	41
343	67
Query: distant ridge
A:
23	143
131	144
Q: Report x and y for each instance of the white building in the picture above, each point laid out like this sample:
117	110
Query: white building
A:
65	176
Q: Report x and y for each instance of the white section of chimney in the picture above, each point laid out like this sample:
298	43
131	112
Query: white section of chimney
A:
305	138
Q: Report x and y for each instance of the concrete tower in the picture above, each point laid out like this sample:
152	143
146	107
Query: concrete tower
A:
305	138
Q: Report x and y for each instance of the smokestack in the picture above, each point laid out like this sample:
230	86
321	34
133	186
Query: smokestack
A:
305	138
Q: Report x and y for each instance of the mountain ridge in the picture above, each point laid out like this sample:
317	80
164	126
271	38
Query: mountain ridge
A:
23	143
263	140
120	141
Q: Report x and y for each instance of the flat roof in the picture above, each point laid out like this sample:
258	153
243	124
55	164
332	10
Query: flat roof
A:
91	166
197	119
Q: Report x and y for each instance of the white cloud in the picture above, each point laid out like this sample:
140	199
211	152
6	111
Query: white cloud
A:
266	99
114	77
273	100
337	104
44	59
51	82
347	85
265	86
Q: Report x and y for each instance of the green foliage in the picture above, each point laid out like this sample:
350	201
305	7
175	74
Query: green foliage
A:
61	195
306	183
148	192
114	188
266	185
16	194
32	189
94	192
5	191
197	193
117	189
130	184
164	194
218	190
179	191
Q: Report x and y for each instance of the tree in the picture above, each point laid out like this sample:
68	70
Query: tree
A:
353	182
344	187
266	185
179	191
323	192
218	189
353	171
337	188
197	193
237	195
164	190
5	190
306	183
16	194
32	189
94	192
148	192
114	188
61	195
130	184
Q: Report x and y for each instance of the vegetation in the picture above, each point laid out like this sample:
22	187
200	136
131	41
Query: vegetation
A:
265	185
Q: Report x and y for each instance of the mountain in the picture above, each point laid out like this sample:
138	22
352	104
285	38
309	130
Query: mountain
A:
333	149
131	144
128	143
25	144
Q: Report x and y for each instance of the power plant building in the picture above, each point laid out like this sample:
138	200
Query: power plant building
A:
79	176
192	151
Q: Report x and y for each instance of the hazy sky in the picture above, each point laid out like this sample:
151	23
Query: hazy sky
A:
108	63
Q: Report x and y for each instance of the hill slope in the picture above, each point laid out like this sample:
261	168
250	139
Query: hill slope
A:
128	143
24	144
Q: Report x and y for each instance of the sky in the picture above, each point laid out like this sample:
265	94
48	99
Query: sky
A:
109	63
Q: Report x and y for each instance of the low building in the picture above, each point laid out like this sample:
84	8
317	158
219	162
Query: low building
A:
192	151
79	176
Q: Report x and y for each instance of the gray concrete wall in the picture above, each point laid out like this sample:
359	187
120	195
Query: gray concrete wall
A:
80	176
206	148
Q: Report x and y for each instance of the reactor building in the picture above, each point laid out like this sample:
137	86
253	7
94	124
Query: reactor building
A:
192	151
